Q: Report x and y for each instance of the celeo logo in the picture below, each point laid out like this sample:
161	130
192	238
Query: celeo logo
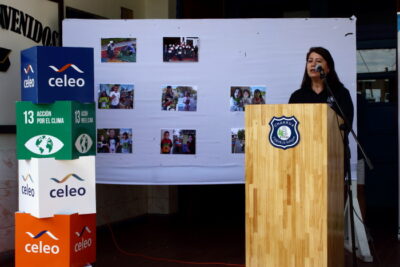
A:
29	82
67	191
65	81
44	144
83	243
40	247
26	189
284	132
83	143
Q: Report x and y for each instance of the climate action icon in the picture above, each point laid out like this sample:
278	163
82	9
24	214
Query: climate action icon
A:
83	143
44	144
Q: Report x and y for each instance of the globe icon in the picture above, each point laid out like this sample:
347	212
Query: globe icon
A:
44	144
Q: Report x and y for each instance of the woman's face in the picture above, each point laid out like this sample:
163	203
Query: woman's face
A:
246	94
237	93
313	60
257	94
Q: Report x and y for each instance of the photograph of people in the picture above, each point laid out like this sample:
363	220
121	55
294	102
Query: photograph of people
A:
178	141
238	140
104	100
246	97
116	96
166	142
169	98
179	98
118	50
184	141
312	88
181	49
126	142
258	96
117	140
236	100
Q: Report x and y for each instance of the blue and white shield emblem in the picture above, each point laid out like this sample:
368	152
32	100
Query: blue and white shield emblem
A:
284	132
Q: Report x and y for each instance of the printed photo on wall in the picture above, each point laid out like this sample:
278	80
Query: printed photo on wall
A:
115	96
238	140
181	49
118	50
178	141
115	140
179	98
246	95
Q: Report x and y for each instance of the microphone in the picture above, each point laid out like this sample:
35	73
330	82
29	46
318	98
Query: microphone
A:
320	69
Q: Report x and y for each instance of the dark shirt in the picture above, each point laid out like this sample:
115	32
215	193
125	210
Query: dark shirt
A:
342	95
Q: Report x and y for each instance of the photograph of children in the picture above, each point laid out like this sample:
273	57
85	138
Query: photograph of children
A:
181	49
178	141
114	140
179	98
238	140
116	96
118	50
246	95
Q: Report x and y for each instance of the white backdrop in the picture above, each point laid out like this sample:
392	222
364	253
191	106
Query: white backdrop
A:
240	52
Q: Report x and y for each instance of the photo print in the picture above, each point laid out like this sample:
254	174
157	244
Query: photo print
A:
178	141
118	50
238	140
181	49
115	96
179	98
114	140
246	95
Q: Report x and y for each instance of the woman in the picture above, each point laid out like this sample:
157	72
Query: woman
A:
257	99
246	97
312	89
236	102
104	100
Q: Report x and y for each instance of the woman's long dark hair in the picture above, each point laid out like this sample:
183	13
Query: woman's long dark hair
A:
332	77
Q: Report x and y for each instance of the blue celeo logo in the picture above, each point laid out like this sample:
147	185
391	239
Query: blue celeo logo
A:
284	132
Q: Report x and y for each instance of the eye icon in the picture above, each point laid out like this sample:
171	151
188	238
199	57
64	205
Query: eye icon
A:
44	144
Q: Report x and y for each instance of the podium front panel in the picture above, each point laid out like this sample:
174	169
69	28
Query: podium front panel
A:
294	186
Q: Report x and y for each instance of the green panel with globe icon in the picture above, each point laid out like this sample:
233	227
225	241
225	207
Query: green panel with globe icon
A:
62	130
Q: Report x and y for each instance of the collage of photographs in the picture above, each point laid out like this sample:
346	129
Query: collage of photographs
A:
173	98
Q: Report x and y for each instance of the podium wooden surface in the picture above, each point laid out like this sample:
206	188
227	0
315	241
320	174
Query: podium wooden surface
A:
294	197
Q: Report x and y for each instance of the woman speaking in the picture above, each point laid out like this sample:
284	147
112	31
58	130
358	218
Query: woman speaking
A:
312	89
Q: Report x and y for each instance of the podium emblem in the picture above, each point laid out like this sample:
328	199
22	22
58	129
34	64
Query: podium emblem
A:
284	132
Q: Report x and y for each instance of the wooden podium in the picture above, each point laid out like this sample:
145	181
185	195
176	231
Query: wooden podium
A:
294	195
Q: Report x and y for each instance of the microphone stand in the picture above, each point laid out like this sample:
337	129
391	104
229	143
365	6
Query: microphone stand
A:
347	129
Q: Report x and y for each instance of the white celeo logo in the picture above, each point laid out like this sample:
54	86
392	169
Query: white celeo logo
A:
65	80
83	243
29	82
83	143
40	248
44	144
